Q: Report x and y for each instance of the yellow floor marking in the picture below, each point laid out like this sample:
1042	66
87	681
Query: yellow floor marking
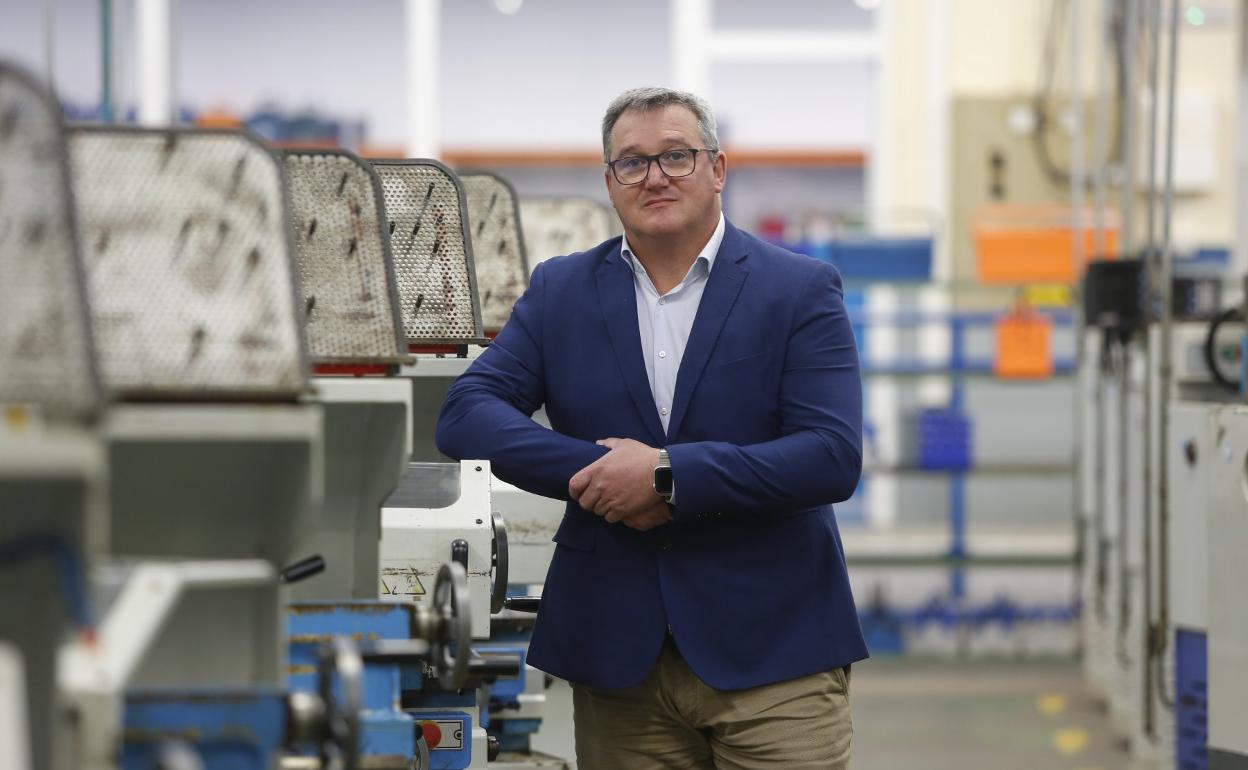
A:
15	416
1070	741
1051	704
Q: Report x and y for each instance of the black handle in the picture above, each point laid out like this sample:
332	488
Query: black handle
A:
522	603
304	569
459	553
490	667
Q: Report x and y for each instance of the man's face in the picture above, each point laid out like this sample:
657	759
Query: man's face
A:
663	206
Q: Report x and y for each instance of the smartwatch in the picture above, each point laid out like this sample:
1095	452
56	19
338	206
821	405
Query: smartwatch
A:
663	476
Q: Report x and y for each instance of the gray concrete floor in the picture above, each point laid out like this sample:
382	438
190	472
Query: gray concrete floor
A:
942	715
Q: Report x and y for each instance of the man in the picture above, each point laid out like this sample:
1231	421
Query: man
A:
705	401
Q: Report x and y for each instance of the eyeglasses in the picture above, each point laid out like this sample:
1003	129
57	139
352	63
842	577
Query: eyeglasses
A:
634	169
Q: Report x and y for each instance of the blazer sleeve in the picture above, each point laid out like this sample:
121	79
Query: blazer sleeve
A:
817	460
488	411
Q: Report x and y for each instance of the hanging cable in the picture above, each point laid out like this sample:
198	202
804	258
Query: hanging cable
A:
1042	103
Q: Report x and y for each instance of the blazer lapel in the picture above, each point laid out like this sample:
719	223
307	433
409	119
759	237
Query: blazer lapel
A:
722	287
618	301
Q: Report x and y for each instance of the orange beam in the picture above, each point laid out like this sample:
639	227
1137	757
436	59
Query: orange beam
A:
477	157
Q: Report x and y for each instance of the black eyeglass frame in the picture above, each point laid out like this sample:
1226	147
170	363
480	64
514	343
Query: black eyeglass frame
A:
651	159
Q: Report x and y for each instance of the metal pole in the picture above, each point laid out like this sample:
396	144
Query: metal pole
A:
1123	449
1122	446
879	172
1129	95
424	26
1154	80
154	33
1078	175
1161	633
1150	286
691	33
1129	91
957	480
1100	518
49	43
106	61
1101	132
938	105
1077	171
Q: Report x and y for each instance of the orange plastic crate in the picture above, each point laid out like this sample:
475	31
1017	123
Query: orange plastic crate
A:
1024	346
1034	244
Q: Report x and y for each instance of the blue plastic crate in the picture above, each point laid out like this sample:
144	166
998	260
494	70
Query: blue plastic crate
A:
871	258
944	439
862	258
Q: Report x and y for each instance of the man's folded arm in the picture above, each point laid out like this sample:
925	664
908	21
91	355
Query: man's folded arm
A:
818	460
488	411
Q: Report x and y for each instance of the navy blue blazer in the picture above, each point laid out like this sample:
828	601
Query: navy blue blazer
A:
765	433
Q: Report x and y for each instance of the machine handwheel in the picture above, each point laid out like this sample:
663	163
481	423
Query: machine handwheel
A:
499	594
452	645
340	749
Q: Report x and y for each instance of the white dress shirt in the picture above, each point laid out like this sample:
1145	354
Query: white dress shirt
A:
665	321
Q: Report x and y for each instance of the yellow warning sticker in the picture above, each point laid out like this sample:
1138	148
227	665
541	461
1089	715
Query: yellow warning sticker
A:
1047	295
401	579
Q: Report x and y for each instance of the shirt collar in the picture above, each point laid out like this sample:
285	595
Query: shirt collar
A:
706	256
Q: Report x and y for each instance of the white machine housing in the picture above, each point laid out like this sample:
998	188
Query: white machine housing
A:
1228	574
435	505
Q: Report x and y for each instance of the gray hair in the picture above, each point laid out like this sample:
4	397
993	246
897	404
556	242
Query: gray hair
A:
646	99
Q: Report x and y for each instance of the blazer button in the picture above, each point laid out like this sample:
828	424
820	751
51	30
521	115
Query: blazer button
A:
665	545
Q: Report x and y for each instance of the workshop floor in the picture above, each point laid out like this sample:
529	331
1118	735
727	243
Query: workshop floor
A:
941	715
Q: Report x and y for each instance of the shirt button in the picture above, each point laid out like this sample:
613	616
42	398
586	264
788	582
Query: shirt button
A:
663	411
662	354
662	301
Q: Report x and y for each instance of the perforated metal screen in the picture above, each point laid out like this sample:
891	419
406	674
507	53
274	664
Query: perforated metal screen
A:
186	241
557	226
497	246
428	224
350	298
46	354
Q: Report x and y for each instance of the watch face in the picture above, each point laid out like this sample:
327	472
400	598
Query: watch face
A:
663	481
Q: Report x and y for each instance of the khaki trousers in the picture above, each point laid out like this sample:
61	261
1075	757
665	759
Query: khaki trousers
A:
673	720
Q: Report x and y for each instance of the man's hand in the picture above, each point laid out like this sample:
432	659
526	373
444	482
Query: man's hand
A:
649	518
620	485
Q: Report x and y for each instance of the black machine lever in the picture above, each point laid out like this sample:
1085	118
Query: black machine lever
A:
522	603
459	553
304	569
